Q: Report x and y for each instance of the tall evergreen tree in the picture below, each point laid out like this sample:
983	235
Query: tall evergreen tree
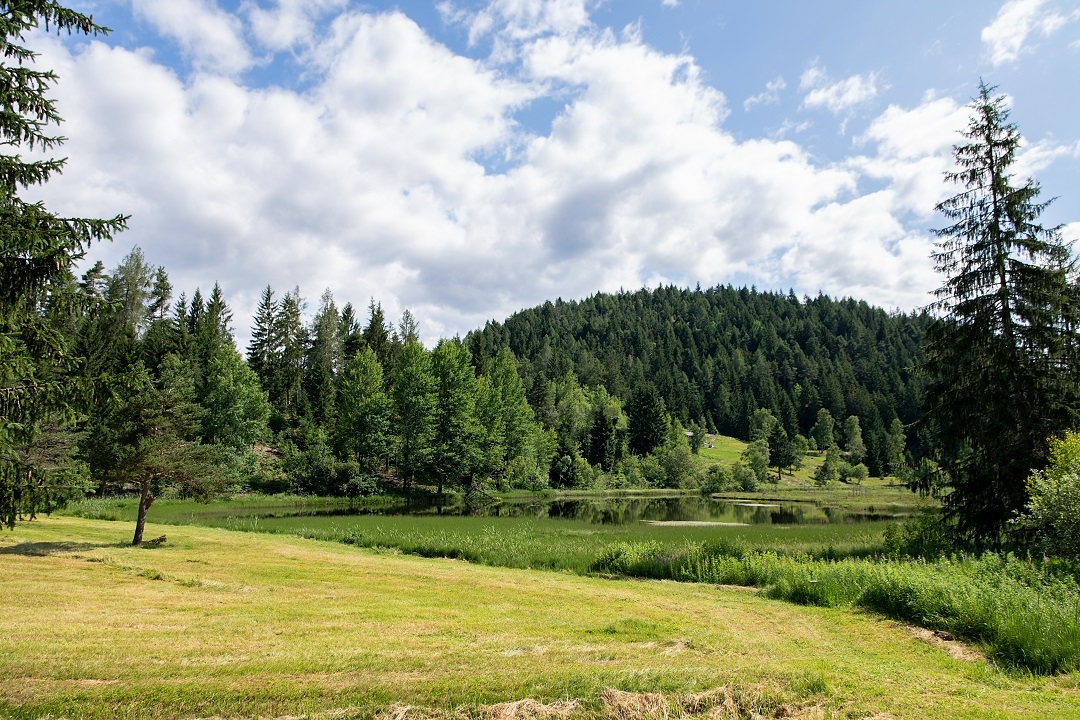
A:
157	342
264	349
288	393
323	360
647	419
376	335
352	336
1001	360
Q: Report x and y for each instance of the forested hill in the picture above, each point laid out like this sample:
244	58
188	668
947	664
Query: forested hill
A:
717	355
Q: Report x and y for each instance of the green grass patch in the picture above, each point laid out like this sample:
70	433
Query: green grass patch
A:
225	624
1026	615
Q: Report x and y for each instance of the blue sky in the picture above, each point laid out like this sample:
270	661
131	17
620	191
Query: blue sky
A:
466	159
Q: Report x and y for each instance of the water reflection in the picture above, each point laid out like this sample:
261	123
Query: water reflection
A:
607	511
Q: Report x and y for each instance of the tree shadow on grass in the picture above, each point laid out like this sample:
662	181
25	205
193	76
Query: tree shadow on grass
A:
42	549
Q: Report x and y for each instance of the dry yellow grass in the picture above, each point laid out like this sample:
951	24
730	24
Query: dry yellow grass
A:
217	624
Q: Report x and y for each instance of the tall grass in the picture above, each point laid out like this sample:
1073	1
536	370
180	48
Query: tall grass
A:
1024	614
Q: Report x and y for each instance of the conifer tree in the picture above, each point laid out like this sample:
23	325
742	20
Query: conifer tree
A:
37	251
146	439
352	337
157	342
323	360
287	394
647	419
264	348
1001	360
376	334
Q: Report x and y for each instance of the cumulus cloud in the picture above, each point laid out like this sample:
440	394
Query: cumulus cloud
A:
836	96
374	180
1016	22
211	38
518	20
912	150
290	23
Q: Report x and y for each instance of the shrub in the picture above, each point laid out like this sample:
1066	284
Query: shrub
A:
854	473
719	478
745	478
1051	521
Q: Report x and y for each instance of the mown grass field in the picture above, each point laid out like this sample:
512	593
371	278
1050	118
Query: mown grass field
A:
225	624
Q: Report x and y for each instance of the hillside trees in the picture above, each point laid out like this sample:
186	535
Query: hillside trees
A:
1001	360
39	385
716	355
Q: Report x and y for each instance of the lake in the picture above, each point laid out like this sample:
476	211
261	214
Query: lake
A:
673	510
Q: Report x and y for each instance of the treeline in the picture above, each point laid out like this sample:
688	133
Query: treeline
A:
329	407
718	355
343	405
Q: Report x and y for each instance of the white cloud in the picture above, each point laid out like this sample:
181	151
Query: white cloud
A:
1017	20
931	128
1035	157
518	20
1071	232
836	96
372	180
769	96
289	24
211	38
912	151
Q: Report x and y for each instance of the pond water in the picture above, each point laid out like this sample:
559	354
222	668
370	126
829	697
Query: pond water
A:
599	510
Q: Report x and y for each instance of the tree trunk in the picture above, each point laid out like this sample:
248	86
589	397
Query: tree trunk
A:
145	501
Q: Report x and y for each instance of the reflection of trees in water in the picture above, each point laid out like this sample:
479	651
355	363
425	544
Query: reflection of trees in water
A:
601	511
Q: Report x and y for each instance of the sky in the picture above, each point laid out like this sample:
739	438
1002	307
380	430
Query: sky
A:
466	159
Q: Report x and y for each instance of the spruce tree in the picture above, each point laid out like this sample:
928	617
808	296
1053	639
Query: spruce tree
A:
1000	368
264	348
647	419
38	248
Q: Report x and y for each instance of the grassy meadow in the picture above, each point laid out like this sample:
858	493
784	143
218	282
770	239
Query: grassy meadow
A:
217	624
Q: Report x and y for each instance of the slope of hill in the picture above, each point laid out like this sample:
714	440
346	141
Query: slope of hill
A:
717	355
